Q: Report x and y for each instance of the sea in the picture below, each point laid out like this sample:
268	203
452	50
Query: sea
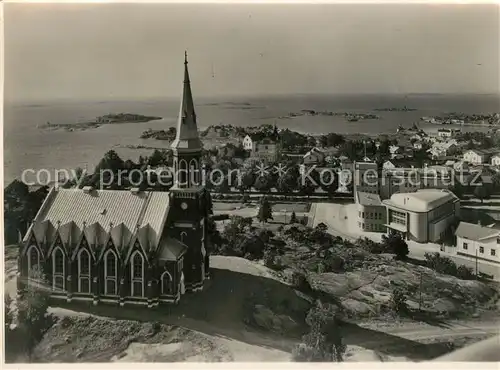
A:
27	146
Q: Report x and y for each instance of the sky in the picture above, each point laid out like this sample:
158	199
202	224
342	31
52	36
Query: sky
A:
96	51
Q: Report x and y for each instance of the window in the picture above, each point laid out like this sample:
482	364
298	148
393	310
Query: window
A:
167	284
193	169
183	236
493	252
398	217
465	246
183	172
84	271
58	270
137	273
481	249
33	258
110	273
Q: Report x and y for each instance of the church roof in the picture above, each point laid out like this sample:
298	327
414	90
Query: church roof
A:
118	214
187	137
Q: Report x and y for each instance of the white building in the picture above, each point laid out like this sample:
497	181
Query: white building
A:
442	149
394	150
478	241
495	160
476	156
371	212
247	143
423	216
314	156
448	132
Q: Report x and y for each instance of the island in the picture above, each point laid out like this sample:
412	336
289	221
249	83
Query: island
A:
107	119
168	135
395	109
349	116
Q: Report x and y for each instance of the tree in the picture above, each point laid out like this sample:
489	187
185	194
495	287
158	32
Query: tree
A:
398	301
293	218
324	340
458	189
329	182
265	210
246	181
482	192
288	182
496	182
33	319
263	183
396	244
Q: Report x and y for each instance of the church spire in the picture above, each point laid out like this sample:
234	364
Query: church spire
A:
187	130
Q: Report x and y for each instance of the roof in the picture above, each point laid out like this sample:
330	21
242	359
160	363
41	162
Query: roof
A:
422	200
171	249
187	137
121	214
368	199
476	232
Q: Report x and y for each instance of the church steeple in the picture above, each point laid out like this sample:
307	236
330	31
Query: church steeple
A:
187	138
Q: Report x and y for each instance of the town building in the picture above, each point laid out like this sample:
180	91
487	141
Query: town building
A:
314	156
371	212
423	216
479	156
495	160
247	143
448	132
265	148
405	180
481	242
126	246
440	150
365	177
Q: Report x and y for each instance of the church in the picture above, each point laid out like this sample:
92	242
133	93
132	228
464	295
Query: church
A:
125	246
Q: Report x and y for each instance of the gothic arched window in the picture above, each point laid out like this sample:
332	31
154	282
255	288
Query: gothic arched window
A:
167	284
33	258
84	271
110	272
58	269
194	172
183	173
137	275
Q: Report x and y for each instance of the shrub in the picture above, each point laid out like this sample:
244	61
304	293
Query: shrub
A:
269	258
334	263
440	264
324	340
396	245
299	282
465	273
398	301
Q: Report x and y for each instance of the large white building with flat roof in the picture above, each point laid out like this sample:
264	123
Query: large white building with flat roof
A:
423	216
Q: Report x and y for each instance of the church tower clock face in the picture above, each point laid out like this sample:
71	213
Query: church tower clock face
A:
184	205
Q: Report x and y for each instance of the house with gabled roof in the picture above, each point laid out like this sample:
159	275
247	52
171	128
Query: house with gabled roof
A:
125	246
478	241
